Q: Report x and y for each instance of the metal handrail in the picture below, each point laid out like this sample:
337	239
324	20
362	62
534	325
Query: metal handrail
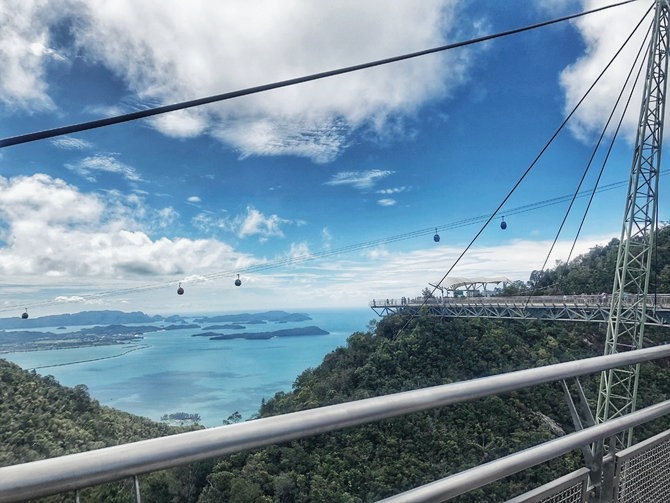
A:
481	475
75	471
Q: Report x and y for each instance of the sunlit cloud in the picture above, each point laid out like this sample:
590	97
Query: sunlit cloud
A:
602	34
24	54
191	51
256	223
57	231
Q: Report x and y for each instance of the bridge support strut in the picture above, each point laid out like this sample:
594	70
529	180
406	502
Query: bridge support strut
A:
625	325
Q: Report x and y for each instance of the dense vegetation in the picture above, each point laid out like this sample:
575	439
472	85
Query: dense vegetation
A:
365	463
593	272
42	419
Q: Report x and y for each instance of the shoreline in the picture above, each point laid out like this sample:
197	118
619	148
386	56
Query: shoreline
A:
138	348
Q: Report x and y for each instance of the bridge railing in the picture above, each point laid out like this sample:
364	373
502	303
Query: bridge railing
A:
660	301
76	471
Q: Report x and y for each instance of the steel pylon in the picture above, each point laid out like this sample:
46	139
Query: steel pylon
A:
625	326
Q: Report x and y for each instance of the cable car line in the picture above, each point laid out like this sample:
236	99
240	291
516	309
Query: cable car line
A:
339	251
149	112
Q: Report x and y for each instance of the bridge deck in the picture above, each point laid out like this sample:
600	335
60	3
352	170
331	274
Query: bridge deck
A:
592	308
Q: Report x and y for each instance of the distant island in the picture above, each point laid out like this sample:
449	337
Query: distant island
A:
229	326
289	332
118	327
251	318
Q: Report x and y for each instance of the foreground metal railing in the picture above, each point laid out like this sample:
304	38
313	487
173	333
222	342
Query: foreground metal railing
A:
76	471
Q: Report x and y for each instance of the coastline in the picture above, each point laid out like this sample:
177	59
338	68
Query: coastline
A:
177	372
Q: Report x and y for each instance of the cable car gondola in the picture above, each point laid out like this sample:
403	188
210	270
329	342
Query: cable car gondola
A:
180	290
436	237
503	224
25	314
238	281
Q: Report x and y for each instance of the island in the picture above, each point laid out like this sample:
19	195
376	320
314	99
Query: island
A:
117	327
288	332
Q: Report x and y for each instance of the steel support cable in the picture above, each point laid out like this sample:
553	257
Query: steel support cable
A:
142	114
607	156
530	167
595	150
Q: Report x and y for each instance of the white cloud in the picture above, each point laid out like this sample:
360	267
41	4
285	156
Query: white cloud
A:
62	245
386	202
394	190
70	143
54	230
256	223
165	217
603	33
299	251
24	53
88	166
207	222
191	50
359	179
326	238
194	199
250	223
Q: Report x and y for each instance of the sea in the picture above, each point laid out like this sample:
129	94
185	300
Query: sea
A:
171	371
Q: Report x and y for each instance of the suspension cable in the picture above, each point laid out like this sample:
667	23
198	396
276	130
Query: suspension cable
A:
529	169
596	148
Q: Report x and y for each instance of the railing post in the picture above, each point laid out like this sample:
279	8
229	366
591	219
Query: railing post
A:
136	484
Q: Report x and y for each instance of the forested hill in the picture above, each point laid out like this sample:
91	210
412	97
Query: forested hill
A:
42	419
593	272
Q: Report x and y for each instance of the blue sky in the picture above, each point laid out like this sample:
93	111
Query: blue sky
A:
115	218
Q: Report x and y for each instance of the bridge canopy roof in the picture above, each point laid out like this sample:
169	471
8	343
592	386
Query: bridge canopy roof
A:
470	283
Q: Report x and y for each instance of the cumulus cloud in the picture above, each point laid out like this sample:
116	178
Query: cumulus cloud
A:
256	223
54	230
89	166
170	51
24	53
603	34
359	179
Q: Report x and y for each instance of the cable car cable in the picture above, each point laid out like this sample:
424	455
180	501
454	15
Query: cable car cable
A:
339	251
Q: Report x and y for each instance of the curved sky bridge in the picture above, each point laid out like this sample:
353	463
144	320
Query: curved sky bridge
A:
592	308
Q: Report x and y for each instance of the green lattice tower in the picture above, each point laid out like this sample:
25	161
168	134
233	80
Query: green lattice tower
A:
625	326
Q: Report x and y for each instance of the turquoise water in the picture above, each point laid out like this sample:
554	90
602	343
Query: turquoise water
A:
172	371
